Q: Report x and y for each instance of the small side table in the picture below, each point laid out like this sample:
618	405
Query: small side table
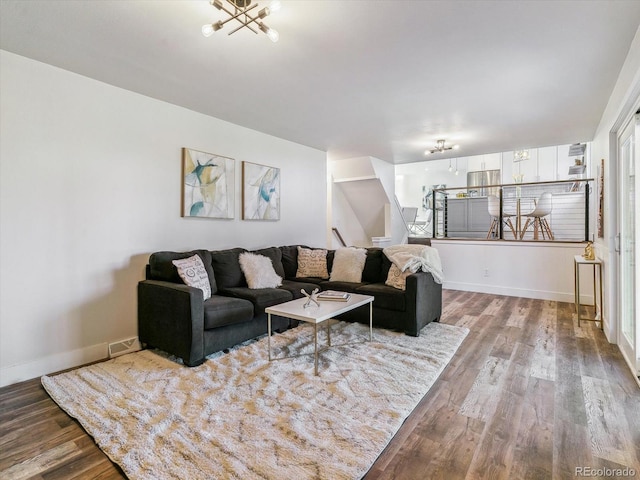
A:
579	260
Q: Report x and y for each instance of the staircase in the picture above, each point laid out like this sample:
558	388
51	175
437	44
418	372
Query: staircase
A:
363	203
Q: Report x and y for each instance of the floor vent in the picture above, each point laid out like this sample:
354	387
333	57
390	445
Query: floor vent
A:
124	346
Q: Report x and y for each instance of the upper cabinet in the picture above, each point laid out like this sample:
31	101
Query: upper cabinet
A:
525	170
484	162
547	164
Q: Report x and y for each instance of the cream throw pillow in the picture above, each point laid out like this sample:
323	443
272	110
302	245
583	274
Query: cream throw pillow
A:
312	263
259	271
397	278
193	273
348	264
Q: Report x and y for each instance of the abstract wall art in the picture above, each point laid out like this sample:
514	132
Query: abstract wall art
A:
208	185
260	192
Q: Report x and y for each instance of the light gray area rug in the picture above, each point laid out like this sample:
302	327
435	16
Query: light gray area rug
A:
239	416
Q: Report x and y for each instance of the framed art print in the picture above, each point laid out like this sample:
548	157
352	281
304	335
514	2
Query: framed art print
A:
208	185
260	192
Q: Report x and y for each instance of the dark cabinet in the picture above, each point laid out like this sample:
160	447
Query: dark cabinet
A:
468	217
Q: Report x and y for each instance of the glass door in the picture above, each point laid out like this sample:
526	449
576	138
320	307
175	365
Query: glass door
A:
629	331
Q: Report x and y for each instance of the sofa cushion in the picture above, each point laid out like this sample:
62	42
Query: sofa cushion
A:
290	260
226	268
193	273
372	272
261	298
348	264
386	265
397	278
275	254
312	263
258	271
294	287
386	297
161	268
220	311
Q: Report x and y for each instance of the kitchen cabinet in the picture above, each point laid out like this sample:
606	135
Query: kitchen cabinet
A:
484	162
547	164
543	165
527	168
468	217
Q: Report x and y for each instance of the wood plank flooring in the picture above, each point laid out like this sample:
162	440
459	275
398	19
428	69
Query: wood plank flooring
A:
529	395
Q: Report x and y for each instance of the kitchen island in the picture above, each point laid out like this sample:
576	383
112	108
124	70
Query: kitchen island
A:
467	217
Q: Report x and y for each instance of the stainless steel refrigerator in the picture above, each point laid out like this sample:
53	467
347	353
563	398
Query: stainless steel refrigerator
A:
477	183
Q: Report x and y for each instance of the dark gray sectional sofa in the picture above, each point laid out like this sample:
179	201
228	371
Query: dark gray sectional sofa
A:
174	317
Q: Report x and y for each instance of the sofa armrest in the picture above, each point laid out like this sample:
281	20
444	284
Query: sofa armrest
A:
424	301
171	318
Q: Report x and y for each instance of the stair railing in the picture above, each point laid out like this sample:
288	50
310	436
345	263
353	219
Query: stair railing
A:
336	232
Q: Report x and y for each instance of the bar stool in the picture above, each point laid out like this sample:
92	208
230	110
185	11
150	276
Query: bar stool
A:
494	211
537	218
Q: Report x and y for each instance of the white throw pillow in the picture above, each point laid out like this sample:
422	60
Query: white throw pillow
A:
348	264
312	263
259	271
193	273
397	278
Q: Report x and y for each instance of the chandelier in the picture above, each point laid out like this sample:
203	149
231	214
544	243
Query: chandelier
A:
243	12
520	155
441	147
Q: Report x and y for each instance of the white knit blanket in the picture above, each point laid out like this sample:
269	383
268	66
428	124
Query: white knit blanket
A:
415	257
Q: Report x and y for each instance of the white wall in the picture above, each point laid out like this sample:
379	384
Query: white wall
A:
346	221
90	186
522	269
624	101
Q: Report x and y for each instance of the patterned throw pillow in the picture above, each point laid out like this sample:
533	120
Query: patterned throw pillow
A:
312	263
259	271
397	278
348	264
193	273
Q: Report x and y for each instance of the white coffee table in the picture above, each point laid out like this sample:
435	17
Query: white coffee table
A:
317	314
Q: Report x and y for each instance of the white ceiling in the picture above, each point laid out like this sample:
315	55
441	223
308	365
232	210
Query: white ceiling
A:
385	78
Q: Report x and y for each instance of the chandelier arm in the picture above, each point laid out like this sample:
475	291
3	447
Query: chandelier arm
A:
237	15
229	12
242	26
251	20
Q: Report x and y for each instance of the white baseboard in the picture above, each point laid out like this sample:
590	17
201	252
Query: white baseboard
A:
517	292
52	363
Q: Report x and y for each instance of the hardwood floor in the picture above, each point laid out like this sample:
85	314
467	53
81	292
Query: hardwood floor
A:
528	395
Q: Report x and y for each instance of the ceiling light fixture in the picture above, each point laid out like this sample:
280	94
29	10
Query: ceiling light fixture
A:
441	147
457	166
241	9
450	166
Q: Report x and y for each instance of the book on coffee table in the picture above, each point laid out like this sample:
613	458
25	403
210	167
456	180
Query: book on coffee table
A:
334	295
